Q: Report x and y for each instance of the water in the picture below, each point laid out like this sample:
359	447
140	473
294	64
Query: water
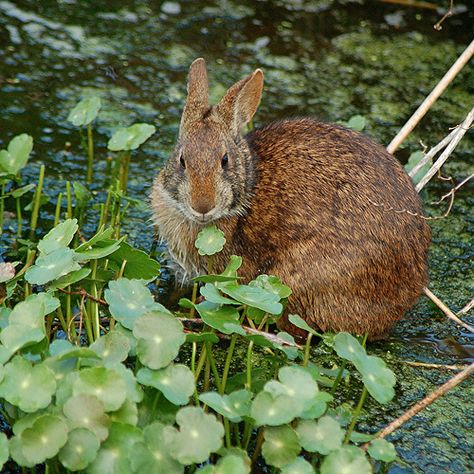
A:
328	59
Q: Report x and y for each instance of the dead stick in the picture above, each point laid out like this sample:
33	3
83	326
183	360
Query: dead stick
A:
431	99
446	310
460	131
428	400
432	366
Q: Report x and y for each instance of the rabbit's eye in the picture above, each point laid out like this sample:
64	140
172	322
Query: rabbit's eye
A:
182	162
224	160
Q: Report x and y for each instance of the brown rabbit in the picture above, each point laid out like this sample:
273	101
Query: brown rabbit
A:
324	208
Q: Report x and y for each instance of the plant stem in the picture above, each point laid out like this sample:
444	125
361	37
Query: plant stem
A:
90	153
228	441
37	203
57	212
193	299
2	206
124	171
212	362
230	353
248	385
307	349
338	377
69	200
356	415
258	445
19	218
94	305
201	361
193	370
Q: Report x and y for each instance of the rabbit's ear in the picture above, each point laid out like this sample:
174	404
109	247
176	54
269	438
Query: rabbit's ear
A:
197	101
240	102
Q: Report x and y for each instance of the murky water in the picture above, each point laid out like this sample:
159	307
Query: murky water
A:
320	58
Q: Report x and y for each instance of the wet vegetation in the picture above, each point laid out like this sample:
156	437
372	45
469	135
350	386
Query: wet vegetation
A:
95	373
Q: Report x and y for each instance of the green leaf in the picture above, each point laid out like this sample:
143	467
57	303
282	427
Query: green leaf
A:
318	406
18	192
382	450
99	252
159	338
298	466
127	413
233	406
299	322
225	318
44	439
106	384
273	410
4	452
200	434
130	138
139	264
14	337
346	459
322	436
280	446
82	194
235	262
253	296
413	160
357	122
114	455
16	156
290	350
52	266
59	237
175	382
87	411
152	456
359	438
128	300
212	278
101	235
271	284
112	347
202	337
228	464
85	111
210	240
211	293
348	347
27	387
80	450
69	279
378	378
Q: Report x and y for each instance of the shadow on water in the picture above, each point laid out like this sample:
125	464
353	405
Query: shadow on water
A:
324	58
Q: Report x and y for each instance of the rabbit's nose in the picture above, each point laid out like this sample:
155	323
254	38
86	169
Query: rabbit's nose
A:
203	206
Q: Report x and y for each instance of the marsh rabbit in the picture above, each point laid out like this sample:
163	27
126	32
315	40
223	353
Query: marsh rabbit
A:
324	208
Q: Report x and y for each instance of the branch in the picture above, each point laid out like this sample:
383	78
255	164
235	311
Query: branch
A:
428	400
460	131
446	310
431	99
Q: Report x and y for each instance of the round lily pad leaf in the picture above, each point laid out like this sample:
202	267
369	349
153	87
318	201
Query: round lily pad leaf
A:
29	313
16	452
127	413
382	450
228	464
346	459
298	466
87	411
223	318
273	284
299	322
348	347
50	302
14	337
413	161
273	410
27	387
176	382
4	452
59	237
113	347
114	455
16	156
152	455
255	296
134	391
128	300
233	406
52	266
378	378
211	293
280	446
106	384
356	122
200	434
322	436
130	138
318	406
210	241
69	279
290	350
44	439
159	338
85	111
80	450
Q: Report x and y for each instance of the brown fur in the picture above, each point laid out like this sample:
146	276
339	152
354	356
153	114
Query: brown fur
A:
306	201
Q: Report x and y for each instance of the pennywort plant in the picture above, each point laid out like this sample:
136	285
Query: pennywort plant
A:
96	375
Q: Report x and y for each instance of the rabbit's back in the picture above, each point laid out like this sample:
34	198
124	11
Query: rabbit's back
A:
338	219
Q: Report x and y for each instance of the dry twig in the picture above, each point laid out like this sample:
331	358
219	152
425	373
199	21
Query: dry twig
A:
432	97
428	400
432	366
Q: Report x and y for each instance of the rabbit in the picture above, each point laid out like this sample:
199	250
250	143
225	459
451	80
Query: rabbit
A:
322	207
